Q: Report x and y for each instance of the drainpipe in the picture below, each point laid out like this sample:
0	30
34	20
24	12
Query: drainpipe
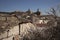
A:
19	28
13	38
7	33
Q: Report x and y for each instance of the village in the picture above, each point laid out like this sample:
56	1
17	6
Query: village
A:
18	25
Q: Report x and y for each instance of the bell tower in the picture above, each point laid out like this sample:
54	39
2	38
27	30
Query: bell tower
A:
29	11
38	12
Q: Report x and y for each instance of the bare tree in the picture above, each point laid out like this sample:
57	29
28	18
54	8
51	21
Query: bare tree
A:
55	11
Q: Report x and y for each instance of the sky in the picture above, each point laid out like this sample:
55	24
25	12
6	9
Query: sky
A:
24	5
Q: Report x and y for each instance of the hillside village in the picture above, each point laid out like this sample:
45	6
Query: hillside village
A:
11	21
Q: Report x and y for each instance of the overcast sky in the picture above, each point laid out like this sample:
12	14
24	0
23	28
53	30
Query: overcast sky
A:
23	5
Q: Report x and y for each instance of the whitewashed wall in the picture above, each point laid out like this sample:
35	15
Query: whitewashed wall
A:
24	31
27	27
15	31
43	21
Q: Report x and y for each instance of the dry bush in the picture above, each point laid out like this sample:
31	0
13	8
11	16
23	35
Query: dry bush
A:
51	33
